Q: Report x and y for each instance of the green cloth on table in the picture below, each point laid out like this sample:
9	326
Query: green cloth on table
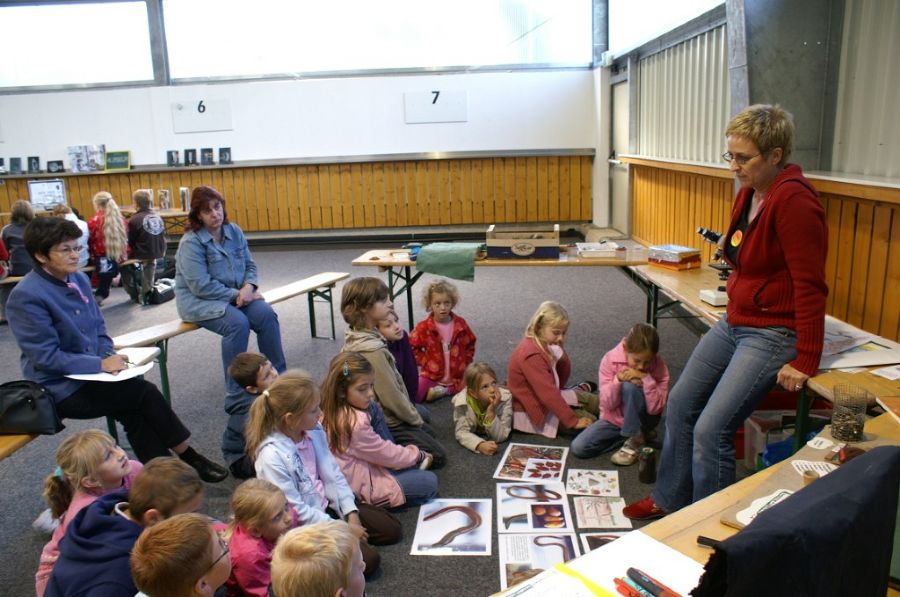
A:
453	260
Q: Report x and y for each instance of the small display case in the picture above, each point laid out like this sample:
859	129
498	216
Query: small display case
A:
537	242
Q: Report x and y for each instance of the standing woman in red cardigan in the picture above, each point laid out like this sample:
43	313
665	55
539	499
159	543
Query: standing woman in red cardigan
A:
772	333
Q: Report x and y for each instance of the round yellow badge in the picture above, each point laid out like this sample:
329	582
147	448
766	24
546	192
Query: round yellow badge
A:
736	238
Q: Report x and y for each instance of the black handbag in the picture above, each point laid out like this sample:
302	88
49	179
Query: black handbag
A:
27	407
163	291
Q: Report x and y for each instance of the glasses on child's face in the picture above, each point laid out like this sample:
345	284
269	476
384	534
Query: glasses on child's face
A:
225	552
741	159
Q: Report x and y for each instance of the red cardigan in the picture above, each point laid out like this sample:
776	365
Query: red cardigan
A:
426	345
780	277
532	385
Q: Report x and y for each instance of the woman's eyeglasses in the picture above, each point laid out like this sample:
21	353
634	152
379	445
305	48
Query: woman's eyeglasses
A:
225	551
739	158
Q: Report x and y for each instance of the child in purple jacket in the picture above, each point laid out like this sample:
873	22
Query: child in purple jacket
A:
399	346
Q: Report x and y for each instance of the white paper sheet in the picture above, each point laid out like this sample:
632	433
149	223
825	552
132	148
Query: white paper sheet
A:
109	377
591	482
438	529
601	513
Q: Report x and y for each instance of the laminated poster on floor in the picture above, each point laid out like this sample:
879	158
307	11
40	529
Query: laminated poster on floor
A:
591	482
453	527
591	541
601	513
523	556
529	462
533	508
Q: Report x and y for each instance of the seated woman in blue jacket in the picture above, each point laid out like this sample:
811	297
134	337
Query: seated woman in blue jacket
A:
216	286
60	331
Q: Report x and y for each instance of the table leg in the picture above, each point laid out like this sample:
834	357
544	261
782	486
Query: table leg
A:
408	279
326	296
802	424
163	346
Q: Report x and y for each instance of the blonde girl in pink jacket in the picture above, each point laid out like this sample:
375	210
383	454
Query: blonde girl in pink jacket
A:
379	471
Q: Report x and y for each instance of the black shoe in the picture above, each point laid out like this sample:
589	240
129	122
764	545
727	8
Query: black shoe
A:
208	470
242	468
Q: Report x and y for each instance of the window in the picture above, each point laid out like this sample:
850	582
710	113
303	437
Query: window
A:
74	44
634	22
232	38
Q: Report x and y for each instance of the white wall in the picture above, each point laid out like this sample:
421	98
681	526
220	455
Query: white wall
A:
310	118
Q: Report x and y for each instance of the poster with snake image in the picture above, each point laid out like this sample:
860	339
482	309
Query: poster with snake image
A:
454	527
533	508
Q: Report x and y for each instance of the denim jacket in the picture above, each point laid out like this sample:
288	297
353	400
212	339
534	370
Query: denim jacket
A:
209	275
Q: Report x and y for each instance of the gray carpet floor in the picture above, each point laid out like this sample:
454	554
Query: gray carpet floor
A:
602	302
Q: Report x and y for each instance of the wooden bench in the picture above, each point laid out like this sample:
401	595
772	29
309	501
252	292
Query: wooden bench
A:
315	287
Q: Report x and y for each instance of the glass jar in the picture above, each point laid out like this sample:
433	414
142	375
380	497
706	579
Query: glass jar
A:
849	414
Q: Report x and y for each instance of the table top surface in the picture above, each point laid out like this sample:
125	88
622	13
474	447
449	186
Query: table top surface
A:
386	258
163	213
680	530
685	286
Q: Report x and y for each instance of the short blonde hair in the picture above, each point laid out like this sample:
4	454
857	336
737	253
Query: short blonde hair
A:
549	313
767	126
313	560
141	198
439	287
172	555
358	296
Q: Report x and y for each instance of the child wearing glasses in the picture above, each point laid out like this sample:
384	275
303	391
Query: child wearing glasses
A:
182	556
482	411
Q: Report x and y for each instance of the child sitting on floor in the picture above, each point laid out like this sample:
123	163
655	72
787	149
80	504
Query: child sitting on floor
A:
379	471
94	555
290	450
482	410
182	556
365	302
90	465
399	346
538	371
319	560
254	373
261	514
443	343
634	387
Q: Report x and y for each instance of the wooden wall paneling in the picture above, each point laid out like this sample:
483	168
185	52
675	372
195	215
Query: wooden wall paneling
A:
391	208
417	212
259	200
458	209
279	215
331	197
574	207
465	191
587	199
553	208
520	191
488	197
531	191
564	189
878	264
237	211
353	211
890	315
445	200
476	191
845	240
833	222
314	196
287	181
861	264
543	191
507	197
374	173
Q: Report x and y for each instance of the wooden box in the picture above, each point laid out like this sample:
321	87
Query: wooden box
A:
537	242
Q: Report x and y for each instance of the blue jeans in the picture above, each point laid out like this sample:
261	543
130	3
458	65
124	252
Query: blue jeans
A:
418	486
729	372
602	435
234	327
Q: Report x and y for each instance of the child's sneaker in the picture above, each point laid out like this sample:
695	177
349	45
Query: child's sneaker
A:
45	523
436	393
628	453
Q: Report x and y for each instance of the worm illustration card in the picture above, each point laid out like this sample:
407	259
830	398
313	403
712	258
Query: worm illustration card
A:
523	556
453	527
533	508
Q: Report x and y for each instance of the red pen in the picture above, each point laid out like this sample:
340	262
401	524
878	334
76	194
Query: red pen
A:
625	589
653	586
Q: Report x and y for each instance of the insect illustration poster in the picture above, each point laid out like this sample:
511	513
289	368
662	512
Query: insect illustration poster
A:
527	462
533	508
453	527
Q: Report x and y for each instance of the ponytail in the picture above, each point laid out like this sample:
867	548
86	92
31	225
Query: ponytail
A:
292	392
58	493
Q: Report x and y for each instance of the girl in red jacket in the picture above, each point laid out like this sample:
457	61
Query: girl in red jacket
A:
538	371
443	344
